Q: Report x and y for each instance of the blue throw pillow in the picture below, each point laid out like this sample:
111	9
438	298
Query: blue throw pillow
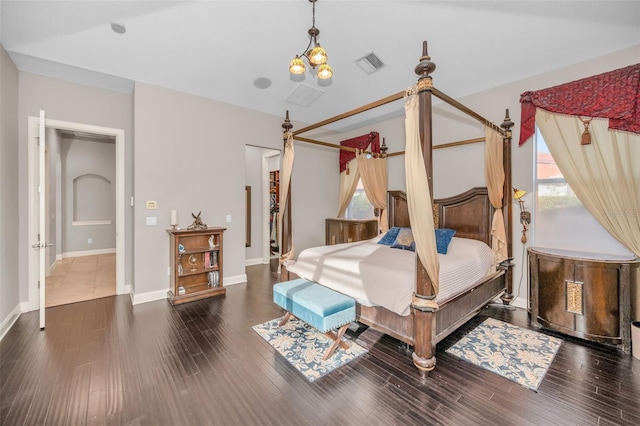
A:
443	238
390	236
404	240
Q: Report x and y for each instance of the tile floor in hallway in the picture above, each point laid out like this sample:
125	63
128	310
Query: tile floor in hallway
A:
76	279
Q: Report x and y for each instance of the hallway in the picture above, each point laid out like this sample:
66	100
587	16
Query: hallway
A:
77	279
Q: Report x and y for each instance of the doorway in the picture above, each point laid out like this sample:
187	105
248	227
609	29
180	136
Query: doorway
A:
85	228
260	163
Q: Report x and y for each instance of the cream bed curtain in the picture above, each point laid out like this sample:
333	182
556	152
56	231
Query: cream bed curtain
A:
494	176
418	194
348	183
285	180
374	173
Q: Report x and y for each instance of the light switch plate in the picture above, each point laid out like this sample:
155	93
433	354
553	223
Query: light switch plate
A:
152	221
151	205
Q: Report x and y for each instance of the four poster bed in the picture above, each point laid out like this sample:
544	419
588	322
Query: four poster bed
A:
427	311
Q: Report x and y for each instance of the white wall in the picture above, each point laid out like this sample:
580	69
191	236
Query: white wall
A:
82	156
314	193
190	157
9	193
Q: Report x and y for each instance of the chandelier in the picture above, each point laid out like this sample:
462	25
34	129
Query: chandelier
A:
316	56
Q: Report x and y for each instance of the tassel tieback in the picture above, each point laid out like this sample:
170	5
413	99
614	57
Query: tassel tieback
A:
586	136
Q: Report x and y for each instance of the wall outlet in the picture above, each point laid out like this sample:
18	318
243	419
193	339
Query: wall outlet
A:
228	218
90	241
152	221
151	205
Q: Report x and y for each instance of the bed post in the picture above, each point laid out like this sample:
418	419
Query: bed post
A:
287	238
424	317
507	211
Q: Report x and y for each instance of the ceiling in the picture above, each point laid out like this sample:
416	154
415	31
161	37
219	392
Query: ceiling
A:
217	49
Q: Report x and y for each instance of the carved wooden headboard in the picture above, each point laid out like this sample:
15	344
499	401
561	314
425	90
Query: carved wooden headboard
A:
469	213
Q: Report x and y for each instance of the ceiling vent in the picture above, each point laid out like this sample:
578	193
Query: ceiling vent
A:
304	95
370	63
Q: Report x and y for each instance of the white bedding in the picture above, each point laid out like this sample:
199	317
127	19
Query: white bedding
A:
375	274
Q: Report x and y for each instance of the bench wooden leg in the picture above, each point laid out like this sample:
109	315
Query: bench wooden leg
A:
337	341
285	319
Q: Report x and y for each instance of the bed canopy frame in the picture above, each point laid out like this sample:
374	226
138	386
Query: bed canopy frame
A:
469	213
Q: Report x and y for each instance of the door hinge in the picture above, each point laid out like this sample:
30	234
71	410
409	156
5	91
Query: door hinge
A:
38	284
38	237
38	140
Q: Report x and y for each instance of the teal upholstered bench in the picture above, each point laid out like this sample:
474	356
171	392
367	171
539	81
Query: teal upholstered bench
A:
320	307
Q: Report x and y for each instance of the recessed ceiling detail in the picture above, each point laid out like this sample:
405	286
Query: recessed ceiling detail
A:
118	27
304	95
262	83
370	63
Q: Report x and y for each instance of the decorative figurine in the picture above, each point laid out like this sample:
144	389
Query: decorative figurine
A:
212	243
197	223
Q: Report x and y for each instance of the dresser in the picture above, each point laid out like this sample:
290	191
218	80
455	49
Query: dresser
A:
585	295
339	231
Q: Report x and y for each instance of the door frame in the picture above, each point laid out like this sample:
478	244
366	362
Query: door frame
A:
32	133
266	184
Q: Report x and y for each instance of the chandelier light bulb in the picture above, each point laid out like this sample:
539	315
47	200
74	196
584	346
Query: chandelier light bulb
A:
297	66
325	72
317	56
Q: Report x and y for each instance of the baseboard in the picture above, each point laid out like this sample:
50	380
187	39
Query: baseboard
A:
127	289
150	296
58	256
8	322
235	279
254	261
28	306
88	252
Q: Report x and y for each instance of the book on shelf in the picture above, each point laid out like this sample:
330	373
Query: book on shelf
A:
214	259
207	260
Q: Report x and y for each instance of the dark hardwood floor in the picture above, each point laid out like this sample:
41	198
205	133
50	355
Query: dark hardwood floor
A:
107	362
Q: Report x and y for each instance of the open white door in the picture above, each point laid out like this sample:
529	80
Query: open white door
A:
41	244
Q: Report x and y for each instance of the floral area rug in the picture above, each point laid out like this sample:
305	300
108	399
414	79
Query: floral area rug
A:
518	354
303	346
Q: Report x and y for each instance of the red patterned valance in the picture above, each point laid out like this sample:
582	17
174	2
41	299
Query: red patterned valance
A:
614	95
360	142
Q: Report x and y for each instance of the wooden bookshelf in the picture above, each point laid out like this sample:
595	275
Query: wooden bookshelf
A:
196	264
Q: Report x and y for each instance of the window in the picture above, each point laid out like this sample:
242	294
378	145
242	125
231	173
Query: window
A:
359	207
561	220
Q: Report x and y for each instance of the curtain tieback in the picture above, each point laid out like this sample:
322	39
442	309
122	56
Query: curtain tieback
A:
586	136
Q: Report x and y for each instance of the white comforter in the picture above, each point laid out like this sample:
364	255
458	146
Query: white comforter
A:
375	274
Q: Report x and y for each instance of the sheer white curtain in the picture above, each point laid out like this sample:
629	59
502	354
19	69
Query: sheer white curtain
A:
494	176
604	175
348	183
418	194
285	180
374	174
